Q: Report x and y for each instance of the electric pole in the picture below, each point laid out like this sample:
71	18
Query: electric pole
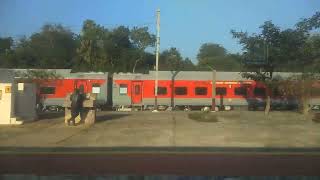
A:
157	61
213	95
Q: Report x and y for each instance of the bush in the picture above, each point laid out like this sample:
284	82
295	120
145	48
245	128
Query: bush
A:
203	117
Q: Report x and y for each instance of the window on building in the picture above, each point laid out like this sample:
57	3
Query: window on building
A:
162	91
259	91
221	91
240	91
123	90
180	91
201	90
47	90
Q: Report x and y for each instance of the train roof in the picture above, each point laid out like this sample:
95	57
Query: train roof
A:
6	76
89	75
191	75
65	73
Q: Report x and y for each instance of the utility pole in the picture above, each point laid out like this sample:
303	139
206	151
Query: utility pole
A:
213	104
157	62
213	96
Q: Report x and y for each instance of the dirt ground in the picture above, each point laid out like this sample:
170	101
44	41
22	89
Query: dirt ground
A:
168	129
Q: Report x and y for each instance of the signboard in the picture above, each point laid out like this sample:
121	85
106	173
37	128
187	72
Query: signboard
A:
123	90
7	89
96	90
20	86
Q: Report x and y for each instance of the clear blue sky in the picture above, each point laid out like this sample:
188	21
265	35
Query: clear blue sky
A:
185	24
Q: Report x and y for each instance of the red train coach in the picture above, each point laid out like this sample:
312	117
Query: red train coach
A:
186	88
193	89
53	92
183	89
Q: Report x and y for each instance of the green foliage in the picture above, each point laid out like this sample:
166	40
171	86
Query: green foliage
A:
301	87
216	56
122	49
292	49
91	54
5	44
6	52
95	49
116	50
311	23
141	39
211	50
187	65
53	47
171	60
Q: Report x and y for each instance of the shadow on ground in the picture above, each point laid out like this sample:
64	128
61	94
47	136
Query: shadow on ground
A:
109	117
50	115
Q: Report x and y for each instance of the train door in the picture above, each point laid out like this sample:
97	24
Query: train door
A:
79	83
136	92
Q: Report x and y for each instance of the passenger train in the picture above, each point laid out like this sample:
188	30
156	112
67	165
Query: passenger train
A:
185	89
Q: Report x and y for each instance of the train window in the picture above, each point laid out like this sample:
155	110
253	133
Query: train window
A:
137	89
240	91
180	91
221	91
47	90
95	85
123	89
96	88
162	91
259	91
201	90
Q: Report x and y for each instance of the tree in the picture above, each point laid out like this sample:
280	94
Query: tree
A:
116	50
54	46
211	50
5	44
274	49
171	60
91	55
120	50
141	39
6	50
262	53
309	24
301	87
187	65
24	55
216	56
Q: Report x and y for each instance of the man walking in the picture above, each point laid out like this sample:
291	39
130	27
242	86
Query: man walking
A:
76	106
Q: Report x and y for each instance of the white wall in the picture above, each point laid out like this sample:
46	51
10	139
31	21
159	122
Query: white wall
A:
6	104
